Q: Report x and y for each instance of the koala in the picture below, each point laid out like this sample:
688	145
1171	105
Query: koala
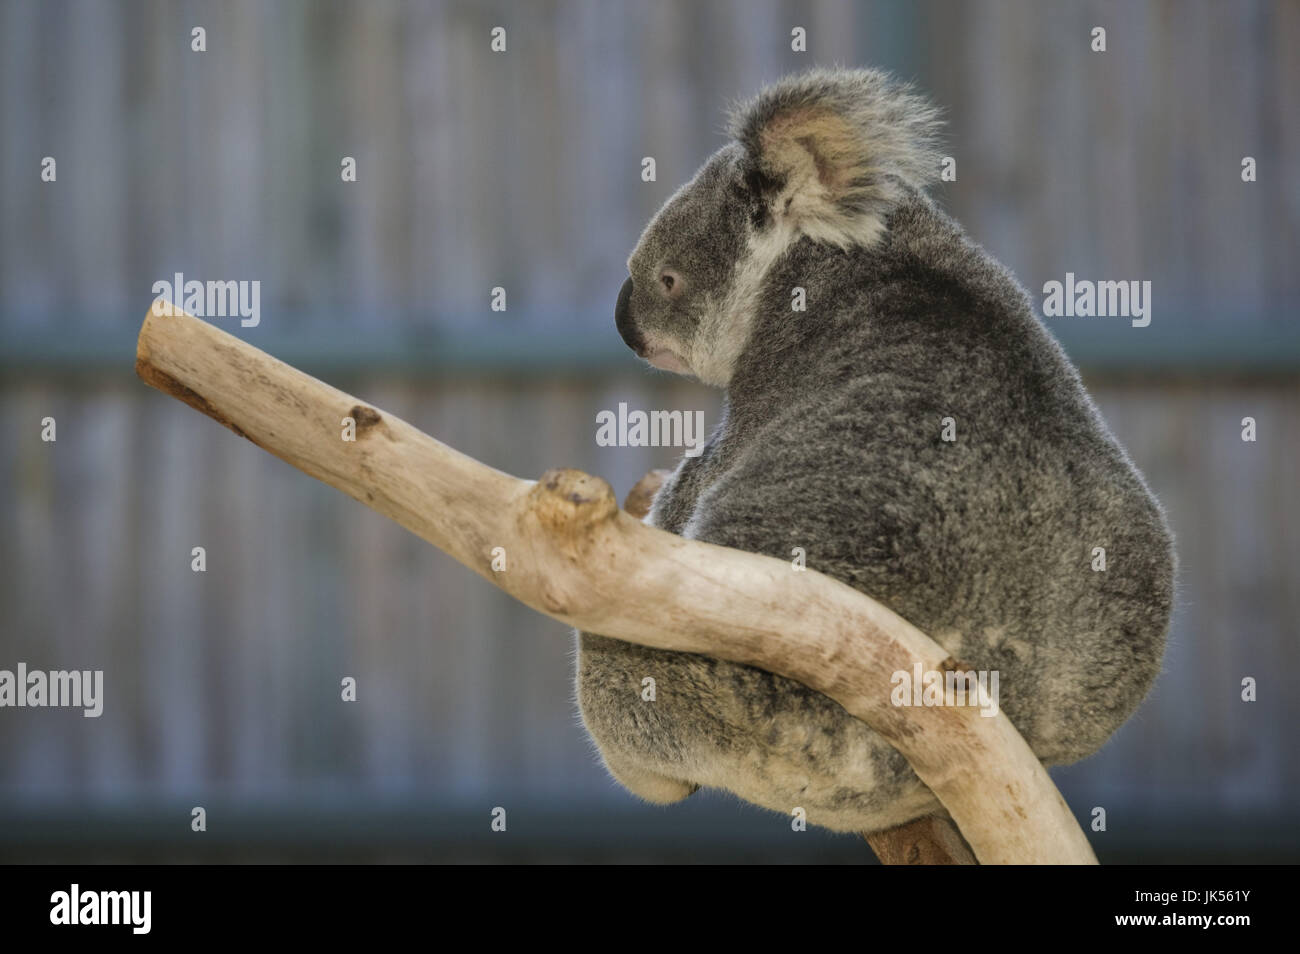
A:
833	438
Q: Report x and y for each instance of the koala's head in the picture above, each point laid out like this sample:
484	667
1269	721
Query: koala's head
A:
824	156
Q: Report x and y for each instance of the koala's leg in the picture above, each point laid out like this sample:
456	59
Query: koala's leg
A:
646	784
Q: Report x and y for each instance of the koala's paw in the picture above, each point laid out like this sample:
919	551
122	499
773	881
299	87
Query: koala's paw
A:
651	786
641	496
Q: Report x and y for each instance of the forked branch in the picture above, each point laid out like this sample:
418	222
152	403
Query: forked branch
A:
575	556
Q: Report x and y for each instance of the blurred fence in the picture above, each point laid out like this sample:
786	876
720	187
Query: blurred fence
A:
226	683
522	170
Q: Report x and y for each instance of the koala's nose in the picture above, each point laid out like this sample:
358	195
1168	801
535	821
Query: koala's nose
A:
623	319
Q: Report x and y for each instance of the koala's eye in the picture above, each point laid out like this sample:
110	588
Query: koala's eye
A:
670	282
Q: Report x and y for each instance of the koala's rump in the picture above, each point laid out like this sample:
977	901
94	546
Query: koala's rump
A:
984	545
763	737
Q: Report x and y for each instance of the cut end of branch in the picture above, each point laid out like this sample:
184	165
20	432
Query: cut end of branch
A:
155	377
168	385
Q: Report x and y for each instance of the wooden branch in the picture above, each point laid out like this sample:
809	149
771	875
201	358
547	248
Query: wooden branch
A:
575	556
932	840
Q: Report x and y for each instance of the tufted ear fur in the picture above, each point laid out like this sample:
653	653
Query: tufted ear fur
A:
829	151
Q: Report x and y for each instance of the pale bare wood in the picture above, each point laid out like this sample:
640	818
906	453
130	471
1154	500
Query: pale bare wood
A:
575	556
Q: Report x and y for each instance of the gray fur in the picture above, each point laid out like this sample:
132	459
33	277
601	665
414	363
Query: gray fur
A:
831	441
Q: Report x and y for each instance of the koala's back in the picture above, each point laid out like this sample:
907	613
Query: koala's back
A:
984	542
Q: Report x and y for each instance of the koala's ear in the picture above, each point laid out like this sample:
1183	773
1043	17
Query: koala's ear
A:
828	151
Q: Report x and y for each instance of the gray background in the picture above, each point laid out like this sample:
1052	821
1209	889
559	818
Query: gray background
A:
522	170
